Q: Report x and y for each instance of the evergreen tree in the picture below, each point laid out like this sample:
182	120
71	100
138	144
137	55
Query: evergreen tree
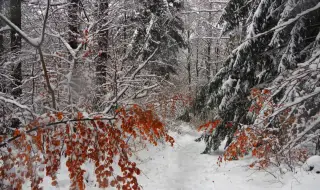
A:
279	34
159	27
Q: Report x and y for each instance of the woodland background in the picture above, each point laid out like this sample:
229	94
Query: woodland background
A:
95	79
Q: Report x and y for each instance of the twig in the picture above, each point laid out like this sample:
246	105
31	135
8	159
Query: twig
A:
51	124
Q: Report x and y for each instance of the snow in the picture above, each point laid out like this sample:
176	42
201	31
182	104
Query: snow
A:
184	167
228	84
312	164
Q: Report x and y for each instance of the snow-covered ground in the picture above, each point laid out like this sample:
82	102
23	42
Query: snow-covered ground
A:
182	167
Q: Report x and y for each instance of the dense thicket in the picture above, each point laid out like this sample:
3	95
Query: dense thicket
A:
68	79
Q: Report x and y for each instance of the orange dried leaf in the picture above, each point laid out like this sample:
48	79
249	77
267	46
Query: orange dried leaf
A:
54	183
16	132
59	116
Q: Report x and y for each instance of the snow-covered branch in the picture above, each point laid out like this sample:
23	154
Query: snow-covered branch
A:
133	75
201	11
5	28
35	42
14	102
284	24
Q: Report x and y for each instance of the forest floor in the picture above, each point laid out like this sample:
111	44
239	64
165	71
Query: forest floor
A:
183	167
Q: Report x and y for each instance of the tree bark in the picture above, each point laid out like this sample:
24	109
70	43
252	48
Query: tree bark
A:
15	17
209	43
73	23
189	61
103	55
208	68
197	61
1	33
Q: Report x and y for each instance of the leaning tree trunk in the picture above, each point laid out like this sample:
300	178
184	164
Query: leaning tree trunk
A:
15	15
101	66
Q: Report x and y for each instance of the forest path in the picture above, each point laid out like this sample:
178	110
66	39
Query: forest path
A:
183	167
178	167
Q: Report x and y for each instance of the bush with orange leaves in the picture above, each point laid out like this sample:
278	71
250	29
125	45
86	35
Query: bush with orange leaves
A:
260	143
37	150
264	140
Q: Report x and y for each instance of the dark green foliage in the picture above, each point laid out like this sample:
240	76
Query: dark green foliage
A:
257	61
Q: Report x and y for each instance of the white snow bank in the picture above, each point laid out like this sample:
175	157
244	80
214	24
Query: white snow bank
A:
312	164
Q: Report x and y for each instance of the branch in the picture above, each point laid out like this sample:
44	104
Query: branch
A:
283	25
219	2
141	66
5	28
57	56
46	76
52	4
299	137
35	42
51	124
30	40
44	23
16	104
299	100
201	11
214	38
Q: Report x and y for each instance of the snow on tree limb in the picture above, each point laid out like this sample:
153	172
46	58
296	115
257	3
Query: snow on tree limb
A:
16	104
201	11
283	25
133	75
5	28
293	142
35	42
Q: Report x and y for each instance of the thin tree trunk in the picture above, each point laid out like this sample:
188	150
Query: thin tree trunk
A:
73	23
1	33
217	52
125	34
189	61
208	68
103	56
15	15
197	61
2	83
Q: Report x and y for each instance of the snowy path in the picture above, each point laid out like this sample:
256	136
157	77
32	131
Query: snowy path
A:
178	167
182	167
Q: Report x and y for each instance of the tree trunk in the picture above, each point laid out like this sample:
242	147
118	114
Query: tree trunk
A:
103	56
197	61
209	43
1	33
15	15
217	52
208	69
73	23
189	61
